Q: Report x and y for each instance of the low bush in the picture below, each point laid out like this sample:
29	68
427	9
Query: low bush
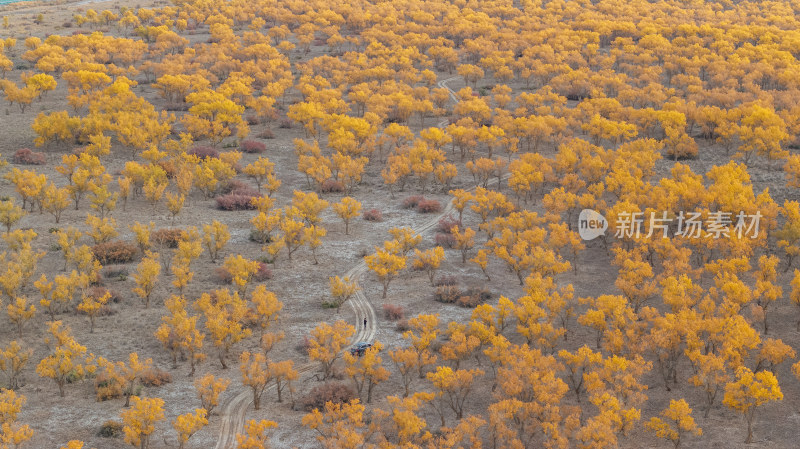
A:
402	326
411	202
222	275
115	272
26	156
445	240
236	201
393	312
335	392
106	387
114	252
155	377
303	346
447	294
285	124
331	186
469	302
252	146
445	279
99	292
204	151
234	185
176	106
447	223
266	134
264	273
110	429
166	237
373	215
480	293
260	236
429	206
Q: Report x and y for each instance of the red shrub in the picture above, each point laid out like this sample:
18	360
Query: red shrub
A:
445	240
303	346
331	186
266	134
446	224
236	201
204	152
412	201
402	326
335	392
114	252
373	215
428	206
263	273
166	237
27	157
393	312
251	146
222	275
447	294
233	185
155	377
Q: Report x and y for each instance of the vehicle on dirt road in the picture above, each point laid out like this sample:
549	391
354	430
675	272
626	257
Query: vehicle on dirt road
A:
360	348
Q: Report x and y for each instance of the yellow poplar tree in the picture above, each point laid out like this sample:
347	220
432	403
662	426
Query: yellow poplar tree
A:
188	424
255	434
140	420
675	422
13	359
423	332
341	290
19	312
338	425
225	315
428	261
146	277
386	264
366	370
347	209
91	305
326	344
68	359
241	271
208	390
215	236
749	392
453	387
255	374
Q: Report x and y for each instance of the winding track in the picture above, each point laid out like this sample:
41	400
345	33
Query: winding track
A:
233	413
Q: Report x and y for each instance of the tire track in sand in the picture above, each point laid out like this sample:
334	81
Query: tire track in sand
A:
234	411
